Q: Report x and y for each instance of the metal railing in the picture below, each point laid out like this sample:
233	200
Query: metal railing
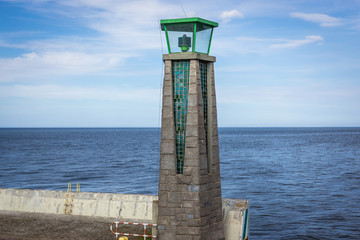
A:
69	199
131	234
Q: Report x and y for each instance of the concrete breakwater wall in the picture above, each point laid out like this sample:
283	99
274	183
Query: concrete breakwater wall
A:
127	207
124	206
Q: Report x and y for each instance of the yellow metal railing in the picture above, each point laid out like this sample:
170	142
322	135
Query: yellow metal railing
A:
69	199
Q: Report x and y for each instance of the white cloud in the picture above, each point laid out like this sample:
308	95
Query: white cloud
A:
355	23
50	64
308	94
122	30
298	43
256	39
246	45
58	92
226	16
322	19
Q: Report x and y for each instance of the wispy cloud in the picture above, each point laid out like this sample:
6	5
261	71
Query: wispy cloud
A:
51	64
355	23
58	92
120	30
245	44
322	19
298	43
130	25
287	95
226	16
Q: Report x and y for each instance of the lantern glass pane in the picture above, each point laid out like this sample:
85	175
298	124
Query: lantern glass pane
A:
176	31
203	34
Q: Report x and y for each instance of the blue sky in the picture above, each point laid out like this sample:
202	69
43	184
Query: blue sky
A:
98	63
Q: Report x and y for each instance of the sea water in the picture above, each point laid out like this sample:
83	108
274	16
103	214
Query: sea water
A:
302	183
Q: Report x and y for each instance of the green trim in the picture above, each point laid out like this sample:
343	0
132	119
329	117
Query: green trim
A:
167	39
245	224
194	38
163	22
211	34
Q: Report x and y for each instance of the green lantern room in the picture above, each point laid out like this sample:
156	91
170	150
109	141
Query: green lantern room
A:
188	34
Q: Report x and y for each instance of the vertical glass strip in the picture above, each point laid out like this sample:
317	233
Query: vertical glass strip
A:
180	76
204	90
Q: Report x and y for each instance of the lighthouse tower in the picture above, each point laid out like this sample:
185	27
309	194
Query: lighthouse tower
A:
190	204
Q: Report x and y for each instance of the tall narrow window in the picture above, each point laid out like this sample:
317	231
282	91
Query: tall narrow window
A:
204	90
180	73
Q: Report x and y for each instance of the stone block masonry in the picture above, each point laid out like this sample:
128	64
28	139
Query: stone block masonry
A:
190	204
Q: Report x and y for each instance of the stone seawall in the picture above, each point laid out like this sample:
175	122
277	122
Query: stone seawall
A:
124	206
127	207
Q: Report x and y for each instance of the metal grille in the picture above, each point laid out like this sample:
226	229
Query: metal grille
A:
180	73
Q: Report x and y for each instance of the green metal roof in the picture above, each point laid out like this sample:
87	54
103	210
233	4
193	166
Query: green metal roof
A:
187	20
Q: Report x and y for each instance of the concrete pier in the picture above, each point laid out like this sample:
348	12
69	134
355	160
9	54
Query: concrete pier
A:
125	207
110	205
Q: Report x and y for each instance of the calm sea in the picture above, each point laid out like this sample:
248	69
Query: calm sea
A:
302	183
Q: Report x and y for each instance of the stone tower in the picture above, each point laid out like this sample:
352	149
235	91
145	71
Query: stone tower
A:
190	204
